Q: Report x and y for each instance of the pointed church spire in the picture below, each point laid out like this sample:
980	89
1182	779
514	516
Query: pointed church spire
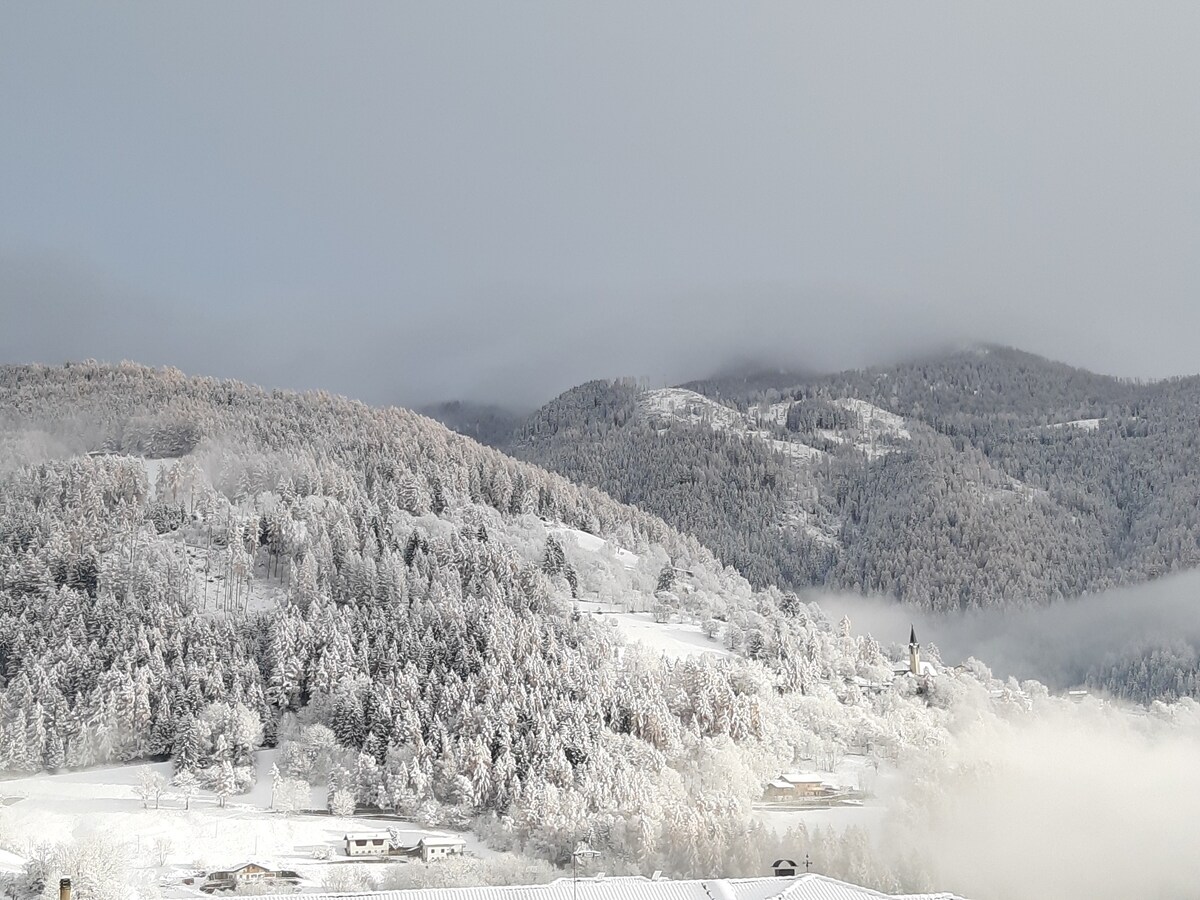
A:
912	636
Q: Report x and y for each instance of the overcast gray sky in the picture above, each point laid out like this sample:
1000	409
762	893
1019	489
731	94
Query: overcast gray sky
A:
407	202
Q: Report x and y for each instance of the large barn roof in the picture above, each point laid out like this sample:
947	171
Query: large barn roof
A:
801	887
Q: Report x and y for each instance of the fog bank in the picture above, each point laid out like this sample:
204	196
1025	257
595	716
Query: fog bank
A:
1055	644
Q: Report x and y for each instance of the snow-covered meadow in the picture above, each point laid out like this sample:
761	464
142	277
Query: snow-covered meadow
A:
165	843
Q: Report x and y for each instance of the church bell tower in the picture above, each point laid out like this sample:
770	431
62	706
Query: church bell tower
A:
914	652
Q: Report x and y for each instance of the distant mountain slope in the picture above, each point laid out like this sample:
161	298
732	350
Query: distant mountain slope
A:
984	386
486	423
982	477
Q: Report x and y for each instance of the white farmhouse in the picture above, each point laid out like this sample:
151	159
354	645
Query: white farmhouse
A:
429	847
368	843
440	846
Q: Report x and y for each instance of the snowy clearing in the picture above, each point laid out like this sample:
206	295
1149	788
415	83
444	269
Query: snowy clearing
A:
876	420
256	592
153	467
675	640
875	435
1081	424
878	429
10	862
696	409
869	817
688	406
204	838
806	522
795	449
590	543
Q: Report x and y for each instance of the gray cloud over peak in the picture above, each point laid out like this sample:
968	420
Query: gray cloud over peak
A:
411	202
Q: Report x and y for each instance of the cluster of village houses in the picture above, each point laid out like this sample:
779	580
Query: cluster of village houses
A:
363	844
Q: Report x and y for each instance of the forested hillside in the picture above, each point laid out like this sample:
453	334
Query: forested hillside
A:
985	477
192	567
486	423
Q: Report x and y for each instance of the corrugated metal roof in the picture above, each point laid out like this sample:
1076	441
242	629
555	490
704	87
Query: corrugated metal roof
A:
801	887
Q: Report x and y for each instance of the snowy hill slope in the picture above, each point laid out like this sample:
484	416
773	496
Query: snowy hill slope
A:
817	490
424	647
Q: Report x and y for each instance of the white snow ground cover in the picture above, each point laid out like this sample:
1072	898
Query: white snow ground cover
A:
869	817
71	806
207	565
1081	424
675	640
593	544
696	409
10	863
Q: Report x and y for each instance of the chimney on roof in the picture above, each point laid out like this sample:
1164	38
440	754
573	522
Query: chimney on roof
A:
64	889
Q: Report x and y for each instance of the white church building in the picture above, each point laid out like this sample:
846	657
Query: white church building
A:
916	666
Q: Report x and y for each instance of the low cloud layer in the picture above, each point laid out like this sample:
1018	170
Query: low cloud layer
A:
1071	802
410	203
1056	644
1045	797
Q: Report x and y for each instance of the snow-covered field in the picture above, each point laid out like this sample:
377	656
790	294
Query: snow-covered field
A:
1081	424
209	566
696	409
254	593
807	522
10	863
593	544
675	640
876	433
875	420
689	406
54	808
869	817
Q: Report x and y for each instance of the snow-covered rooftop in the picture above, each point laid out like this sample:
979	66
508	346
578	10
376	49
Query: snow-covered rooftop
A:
802	778
801	887
442	840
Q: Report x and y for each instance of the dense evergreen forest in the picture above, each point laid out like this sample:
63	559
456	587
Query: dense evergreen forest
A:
194	568
1001	479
